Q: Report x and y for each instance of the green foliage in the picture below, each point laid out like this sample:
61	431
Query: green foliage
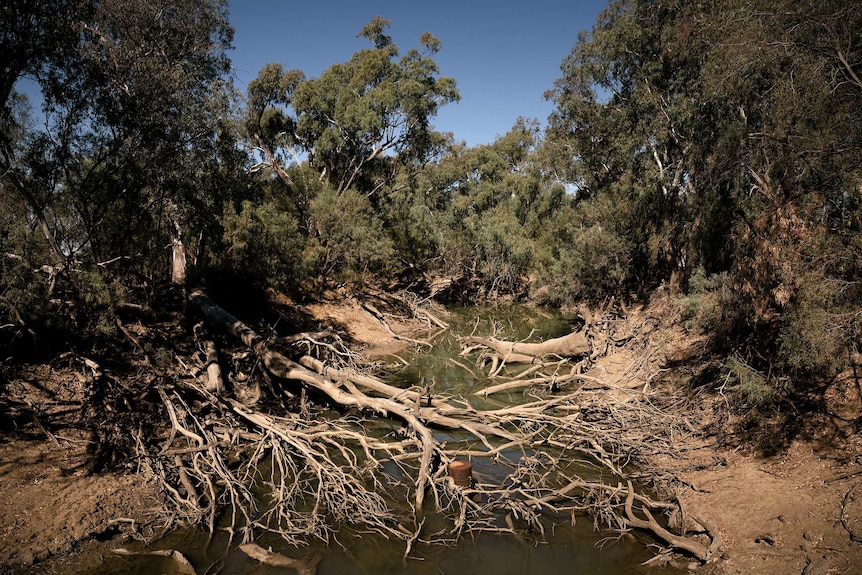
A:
23	287
591	264
489	204
700	307
360	121
502	250
97	294
347	240
755	389
416	226
37	39
133	95
813	339
263	243
703	142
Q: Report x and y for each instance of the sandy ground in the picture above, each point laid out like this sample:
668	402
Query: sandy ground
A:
50	509
782	514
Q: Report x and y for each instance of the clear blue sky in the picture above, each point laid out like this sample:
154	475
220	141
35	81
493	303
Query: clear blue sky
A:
503	54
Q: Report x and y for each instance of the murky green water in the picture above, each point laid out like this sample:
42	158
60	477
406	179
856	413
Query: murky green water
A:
566	549
569	552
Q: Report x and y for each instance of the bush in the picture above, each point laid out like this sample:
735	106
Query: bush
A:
346	239
264	243
590	263
700	307
812	339
753	386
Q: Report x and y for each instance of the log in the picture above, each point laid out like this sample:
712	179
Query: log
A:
304	566
698	550
215	383
574	344
183	567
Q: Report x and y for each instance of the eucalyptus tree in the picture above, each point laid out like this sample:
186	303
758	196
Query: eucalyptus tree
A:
38	39
723	138
631	113
359	119
476	214
132	113
339	143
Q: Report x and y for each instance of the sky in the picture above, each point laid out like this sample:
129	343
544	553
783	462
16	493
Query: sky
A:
503	54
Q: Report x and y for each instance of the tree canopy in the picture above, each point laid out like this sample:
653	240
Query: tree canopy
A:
358	120
719	143
713	148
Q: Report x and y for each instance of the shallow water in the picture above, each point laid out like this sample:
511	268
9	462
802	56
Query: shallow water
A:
578	552
566	549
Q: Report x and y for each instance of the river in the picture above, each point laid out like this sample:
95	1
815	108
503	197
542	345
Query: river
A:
565	549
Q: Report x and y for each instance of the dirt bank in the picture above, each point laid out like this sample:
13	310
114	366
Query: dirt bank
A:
797	512
50	508
782	514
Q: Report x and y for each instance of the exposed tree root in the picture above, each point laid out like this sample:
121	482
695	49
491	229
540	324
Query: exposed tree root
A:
320	473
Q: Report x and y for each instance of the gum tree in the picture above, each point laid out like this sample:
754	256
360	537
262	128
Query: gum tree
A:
338	143
722	140
356	123
132	109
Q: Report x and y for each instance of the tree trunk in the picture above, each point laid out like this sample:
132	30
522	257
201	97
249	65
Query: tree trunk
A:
178	256
573	345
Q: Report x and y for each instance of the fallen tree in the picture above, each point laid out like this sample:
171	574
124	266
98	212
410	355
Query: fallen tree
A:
574	344
356	468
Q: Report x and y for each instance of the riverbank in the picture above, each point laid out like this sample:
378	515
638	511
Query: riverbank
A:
782	514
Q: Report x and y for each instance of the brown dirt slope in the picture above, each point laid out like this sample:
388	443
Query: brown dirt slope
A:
782	514
49	505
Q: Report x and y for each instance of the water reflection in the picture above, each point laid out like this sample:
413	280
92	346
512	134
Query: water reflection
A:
578	551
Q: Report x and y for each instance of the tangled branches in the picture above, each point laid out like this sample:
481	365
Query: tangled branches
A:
551	457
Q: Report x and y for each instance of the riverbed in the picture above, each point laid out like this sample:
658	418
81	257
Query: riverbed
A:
569	545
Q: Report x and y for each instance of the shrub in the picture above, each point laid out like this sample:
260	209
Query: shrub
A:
700	307
346	238
263	242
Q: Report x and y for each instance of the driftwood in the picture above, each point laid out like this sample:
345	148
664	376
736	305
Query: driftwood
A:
338	464
183	566
304	566
574	344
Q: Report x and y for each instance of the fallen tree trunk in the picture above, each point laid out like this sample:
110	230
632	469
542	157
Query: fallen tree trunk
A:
550	380
574	344
402	404
285	368
541	442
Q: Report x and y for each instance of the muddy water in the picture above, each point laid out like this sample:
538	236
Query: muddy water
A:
567	552
565	549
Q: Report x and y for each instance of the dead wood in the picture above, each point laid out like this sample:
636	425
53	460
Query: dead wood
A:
336	462
215	383
382	319
552	381
574	344
183	566
698	550
304	566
